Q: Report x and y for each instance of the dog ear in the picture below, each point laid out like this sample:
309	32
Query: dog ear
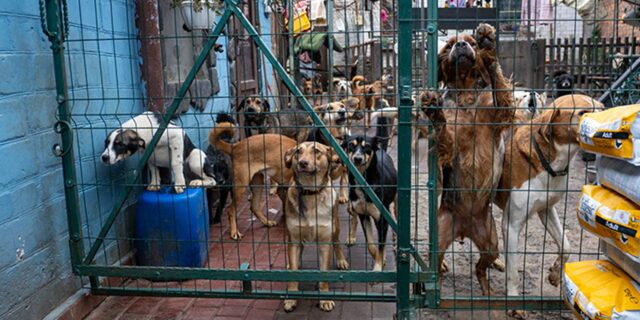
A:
543	97
546	130
132	140
266	106
288	157
320	110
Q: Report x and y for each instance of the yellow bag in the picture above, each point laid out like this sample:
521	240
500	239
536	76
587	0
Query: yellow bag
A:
597	289
614	132
301	22
612	217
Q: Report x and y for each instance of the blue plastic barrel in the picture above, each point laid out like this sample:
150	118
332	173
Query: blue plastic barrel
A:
172	229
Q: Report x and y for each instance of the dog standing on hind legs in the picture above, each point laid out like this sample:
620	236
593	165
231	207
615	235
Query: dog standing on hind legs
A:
470	132
311	211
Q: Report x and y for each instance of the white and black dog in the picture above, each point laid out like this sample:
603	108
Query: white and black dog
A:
173	151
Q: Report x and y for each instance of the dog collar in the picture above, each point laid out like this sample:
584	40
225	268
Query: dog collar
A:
545	162
302	191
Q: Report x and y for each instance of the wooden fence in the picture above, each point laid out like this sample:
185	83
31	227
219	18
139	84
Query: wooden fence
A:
594	62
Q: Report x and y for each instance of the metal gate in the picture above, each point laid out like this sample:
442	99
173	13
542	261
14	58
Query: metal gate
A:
100	239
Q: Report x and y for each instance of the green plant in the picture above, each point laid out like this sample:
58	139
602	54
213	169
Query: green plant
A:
198	5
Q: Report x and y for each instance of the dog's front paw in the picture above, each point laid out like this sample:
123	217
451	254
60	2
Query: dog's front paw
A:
153	187
517	314
486	36
431	105
236	235
342	264
343	199
444	267
290	305
350	241
554	274
327	305
498	265
271	223
178	190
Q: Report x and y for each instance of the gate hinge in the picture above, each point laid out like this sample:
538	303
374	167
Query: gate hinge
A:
405	93
404	254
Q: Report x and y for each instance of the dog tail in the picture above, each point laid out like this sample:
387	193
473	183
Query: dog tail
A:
355	82
222	129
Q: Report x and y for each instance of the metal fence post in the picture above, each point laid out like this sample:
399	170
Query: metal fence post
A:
52	26
403	306
433	296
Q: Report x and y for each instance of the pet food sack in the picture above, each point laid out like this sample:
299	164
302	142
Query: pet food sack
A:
612	217
628	263
614	132
597	289
620	176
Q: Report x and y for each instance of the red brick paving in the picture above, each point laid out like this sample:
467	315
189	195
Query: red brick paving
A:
264	249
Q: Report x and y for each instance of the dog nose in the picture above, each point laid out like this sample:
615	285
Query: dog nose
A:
105	158
357	160
303	164
342	113
459	44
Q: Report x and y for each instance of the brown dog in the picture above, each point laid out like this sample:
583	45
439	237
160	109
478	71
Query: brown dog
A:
535	172
313	88
470	134
368	94
253	159
311	210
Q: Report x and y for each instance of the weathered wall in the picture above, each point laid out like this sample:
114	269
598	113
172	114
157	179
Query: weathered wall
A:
35	271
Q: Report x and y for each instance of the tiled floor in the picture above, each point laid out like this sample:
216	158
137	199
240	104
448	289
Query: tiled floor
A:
263	248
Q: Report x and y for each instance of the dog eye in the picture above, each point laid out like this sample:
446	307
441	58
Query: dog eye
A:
582	112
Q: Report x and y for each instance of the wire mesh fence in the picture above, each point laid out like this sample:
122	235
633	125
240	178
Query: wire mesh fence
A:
385	138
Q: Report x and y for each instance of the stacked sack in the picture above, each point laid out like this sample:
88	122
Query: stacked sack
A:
610	210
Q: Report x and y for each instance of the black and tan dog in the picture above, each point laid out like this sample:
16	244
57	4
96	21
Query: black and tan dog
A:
311	210
377	167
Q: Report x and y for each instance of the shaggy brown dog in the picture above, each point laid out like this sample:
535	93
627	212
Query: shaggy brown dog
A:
253	159
470	142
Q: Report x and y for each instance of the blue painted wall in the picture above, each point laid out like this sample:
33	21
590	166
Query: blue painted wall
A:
105	89
35	271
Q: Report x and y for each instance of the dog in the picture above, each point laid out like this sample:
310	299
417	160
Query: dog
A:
220	164
336	116
369	94
537	158
313	88
527	103
311	211
469	131
174	150
377	167
342	88
563	83
254	159
256	115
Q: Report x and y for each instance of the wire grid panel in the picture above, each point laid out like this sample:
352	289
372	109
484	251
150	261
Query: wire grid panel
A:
126	252
106	88
488	163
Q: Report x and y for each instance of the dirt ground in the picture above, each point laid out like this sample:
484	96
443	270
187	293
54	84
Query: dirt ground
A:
539	249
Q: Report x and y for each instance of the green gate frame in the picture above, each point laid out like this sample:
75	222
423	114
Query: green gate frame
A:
417	285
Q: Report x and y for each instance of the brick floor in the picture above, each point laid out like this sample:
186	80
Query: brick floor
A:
264	249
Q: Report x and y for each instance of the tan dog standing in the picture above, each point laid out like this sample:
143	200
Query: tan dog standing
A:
253	159
535	170
311	210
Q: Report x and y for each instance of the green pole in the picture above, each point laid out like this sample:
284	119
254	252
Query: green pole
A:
53	28
432	79
403	264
